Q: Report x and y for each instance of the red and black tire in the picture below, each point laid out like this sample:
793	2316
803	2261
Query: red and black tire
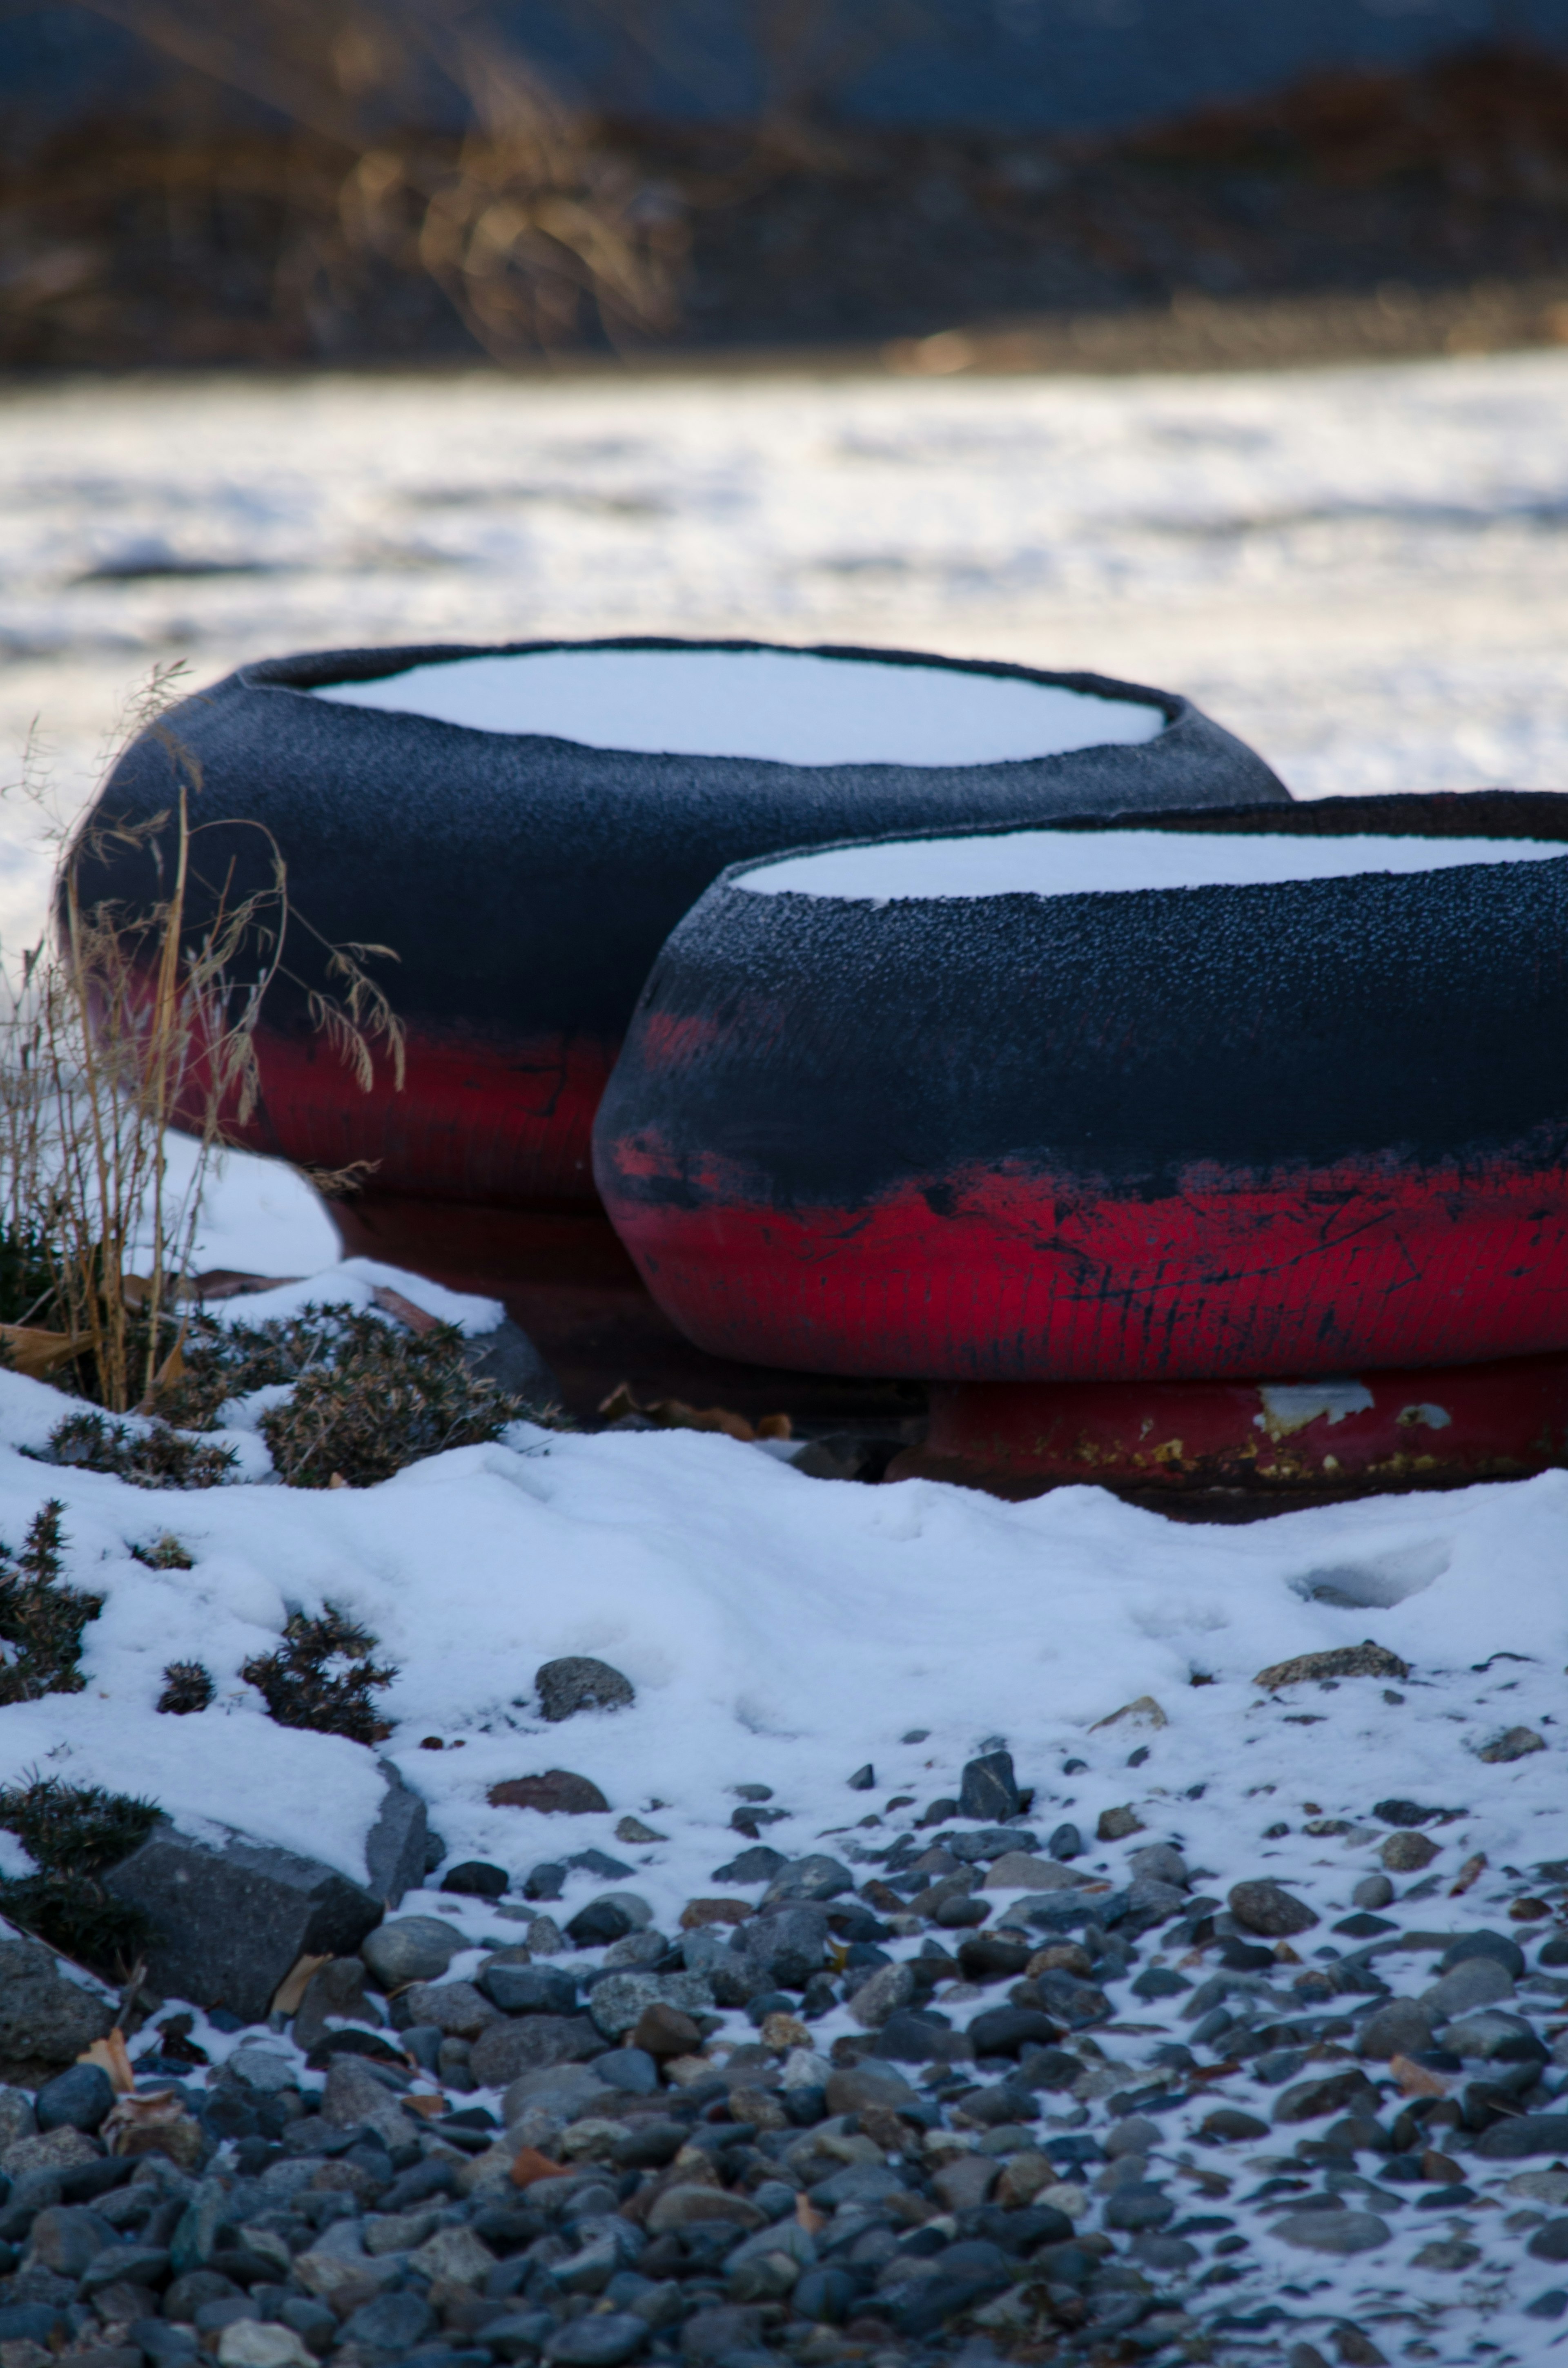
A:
527	884
1301	1127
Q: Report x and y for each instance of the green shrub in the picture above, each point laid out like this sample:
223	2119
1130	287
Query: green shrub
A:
386	1399
41	1618
229	1360
158	1457
323	1676
75	1834
187	1686
165	1553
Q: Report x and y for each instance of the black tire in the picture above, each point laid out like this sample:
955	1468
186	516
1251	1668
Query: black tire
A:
525	885
1296	1128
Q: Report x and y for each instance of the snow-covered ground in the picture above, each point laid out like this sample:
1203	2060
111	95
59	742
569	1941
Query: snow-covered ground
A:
1366	574
782	1632
1362	570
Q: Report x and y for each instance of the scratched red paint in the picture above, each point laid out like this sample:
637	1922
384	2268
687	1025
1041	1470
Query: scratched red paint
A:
510	1120
1405	1429
1022	1276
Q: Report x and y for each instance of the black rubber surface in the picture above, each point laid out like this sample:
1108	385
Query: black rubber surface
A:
527	884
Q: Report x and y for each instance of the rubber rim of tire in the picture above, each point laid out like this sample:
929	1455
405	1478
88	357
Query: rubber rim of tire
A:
1292	1130
525	885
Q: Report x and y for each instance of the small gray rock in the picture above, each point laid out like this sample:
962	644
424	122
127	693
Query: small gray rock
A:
16	2117
1160	1862
1333	2232
890	1987
782	1950
512	1360
1364	1660
411	1949
1267	1908
858	2086
1483	1943
638	1952
577	1682
66	2237
571	2091
528	1989
77	2099
335	1990
532	2043
989	1789
398	1843
354	2095
1517	1743
816	1877
1448	2253
1373	1891
1400	2028
617	2003
262	2071
604	2340
1310	2099
392	2323
46	2019
1493	2038
1475	1982
234	1918
1137	2135
458	2009
1526	2134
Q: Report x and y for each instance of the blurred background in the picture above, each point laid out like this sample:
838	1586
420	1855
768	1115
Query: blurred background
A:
1215	345
201	181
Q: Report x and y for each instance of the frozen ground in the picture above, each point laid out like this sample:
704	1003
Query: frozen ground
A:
783	1634
1365	573
1363	570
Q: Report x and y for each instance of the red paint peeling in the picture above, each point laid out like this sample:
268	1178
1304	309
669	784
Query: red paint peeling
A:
480	1121
1017	1275
1391	1429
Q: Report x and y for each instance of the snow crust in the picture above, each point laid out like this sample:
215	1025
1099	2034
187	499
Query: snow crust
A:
1079	863
777	1629
785	705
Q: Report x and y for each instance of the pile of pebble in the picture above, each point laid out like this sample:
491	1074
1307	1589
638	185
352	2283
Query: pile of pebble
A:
952	2094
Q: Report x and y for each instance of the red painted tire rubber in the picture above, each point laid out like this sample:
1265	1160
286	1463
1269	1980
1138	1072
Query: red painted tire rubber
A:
527	884
1303	1128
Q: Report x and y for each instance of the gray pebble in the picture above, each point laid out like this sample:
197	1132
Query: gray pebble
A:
577	1682
411	1949
1333	2232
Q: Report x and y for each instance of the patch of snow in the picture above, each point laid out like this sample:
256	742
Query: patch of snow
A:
777	1629
1091	863
259	1216
786	705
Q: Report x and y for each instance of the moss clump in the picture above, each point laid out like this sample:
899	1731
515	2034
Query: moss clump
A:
41	1618
165	1553
75	1834
386	1400
158	1457
369	1397
323	1676
187	1686
229	1360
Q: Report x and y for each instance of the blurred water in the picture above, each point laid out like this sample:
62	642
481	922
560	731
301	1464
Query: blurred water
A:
1365	572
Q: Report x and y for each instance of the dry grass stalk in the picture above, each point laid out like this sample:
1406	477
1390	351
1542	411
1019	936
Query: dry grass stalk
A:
525	219
118	1027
